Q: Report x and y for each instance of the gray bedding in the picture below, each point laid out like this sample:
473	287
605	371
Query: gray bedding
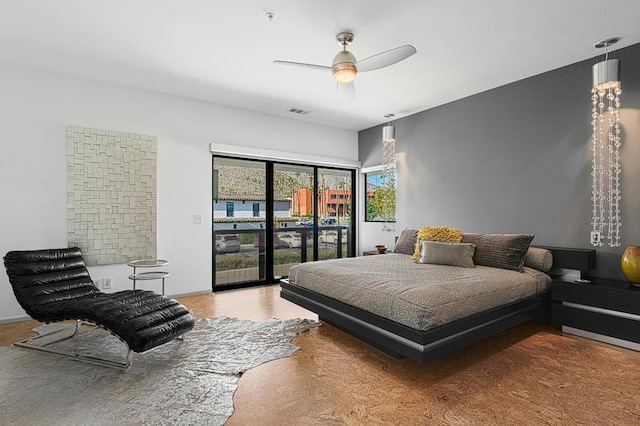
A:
420	296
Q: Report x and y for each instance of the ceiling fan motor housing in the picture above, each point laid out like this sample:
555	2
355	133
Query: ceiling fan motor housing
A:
343	67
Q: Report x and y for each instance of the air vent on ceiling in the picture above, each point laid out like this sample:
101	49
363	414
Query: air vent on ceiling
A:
298	111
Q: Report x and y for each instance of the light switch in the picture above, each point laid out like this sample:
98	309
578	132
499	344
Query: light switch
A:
197	219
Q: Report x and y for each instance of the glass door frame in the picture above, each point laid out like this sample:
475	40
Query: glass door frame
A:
269	228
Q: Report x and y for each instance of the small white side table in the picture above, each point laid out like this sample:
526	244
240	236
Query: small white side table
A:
151	275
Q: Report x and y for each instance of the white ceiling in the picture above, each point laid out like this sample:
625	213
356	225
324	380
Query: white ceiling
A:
222	51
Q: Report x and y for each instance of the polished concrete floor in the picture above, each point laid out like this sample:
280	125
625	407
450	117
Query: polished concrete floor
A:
529	375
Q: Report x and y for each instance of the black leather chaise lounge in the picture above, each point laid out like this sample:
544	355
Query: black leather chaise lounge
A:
54	285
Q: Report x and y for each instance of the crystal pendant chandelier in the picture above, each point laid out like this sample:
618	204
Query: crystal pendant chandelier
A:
389	169
605	148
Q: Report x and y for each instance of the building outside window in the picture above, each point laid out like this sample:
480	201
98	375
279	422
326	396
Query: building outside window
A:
256	209
230	208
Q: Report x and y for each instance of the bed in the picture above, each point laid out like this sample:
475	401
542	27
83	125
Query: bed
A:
423	311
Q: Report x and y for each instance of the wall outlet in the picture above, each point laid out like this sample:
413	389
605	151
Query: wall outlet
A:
596	238
98	282
197	219
106	283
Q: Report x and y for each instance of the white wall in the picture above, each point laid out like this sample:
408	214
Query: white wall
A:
35	108
374	233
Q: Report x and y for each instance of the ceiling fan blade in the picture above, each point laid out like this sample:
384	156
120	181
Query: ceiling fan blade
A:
385	59
347	91
301	65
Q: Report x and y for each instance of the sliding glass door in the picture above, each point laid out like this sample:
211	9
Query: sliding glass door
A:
293	216
269	216
239	217
335	206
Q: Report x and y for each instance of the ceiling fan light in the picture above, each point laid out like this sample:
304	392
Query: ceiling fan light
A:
344	73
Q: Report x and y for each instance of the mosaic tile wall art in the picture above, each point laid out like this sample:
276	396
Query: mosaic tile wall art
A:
111	195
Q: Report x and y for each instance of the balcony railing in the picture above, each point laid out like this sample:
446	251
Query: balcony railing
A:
251	253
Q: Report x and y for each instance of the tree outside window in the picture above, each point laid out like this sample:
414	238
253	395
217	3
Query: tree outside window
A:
380	197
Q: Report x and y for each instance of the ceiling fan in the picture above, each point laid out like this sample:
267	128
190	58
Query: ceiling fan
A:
345	66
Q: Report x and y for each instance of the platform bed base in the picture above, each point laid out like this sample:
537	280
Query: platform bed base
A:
400	341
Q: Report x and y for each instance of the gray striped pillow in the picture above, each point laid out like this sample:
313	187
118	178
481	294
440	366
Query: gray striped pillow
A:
505	251
539	258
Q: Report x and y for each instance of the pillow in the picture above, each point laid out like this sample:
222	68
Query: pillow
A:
441	234
454	254
539	258
406	242
505	251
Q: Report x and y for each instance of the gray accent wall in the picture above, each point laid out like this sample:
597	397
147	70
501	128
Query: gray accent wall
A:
515	159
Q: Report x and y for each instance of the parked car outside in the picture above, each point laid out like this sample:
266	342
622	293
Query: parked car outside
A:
290	240
305	223
227	243
329	221
329	237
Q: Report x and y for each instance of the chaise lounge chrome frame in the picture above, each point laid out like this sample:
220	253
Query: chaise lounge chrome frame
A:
30	344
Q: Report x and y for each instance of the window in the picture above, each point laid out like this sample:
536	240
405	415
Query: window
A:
229	208
256	209
380	197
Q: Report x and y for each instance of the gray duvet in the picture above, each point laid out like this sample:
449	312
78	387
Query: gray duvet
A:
420	296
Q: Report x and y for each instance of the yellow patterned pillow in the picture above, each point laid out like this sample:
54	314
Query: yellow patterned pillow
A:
441	234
